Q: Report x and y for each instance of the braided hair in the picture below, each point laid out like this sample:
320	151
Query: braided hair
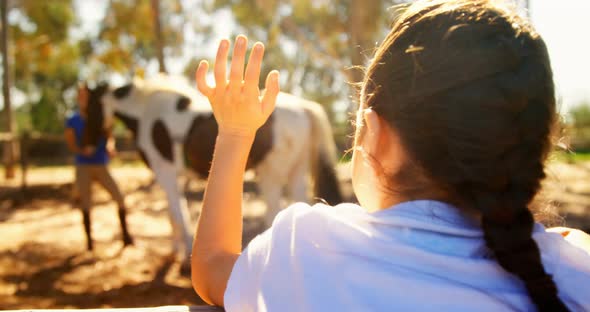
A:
468	87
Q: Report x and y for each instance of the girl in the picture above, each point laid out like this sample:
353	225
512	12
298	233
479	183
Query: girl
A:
453	130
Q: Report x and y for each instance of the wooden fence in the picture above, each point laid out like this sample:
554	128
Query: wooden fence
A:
5	137
44	149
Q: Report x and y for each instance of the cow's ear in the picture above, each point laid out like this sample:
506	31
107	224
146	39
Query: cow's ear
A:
123	91
182	103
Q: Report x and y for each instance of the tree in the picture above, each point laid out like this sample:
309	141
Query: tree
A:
9	154
159	41
131	35
47	61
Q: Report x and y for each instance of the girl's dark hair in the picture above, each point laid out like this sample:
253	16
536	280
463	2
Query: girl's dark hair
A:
468	87
94	129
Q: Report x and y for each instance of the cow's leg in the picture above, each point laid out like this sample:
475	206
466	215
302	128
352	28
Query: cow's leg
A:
273	174
298	187
298	179
271	191
178	208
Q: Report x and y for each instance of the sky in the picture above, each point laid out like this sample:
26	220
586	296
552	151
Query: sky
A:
563	24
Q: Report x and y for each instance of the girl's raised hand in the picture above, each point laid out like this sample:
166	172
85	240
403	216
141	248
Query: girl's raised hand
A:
237	104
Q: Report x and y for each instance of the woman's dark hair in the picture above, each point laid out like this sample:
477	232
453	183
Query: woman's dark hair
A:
94	129
468	87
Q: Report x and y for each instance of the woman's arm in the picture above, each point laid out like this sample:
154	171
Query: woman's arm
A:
110	144
239	111
72	144
70	136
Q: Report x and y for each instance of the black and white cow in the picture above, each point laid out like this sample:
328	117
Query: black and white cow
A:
174	126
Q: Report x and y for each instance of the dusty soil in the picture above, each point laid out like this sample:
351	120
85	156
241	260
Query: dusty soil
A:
44	264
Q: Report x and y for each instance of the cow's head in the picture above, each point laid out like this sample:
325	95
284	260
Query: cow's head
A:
123	100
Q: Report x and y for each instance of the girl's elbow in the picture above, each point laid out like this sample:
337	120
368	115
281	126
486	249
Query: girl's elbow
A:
202	280
199	281
201	290
210	274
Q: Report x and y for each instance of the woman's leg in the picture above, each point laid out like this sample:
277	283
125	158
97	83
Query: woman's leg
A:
83	180
103	176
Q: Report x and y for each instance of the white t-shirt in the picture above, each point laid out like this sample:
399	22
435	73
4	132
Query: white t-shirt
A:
416	256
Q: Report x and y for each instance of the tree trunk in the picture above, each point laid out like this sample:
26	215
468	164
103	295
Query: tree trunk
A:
9	148
363	28
158	35
356	32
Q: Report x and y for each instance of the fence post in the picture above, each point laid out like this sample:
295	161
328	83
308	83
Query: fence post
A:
24	159
9	146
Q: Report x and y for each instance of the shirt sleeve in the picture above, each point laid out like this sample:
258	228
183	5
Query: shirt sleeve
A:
245	277
253	267
572	272
70	122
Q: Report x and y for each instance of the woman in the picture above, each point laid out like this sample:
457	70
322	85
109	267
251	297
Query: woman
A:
91	163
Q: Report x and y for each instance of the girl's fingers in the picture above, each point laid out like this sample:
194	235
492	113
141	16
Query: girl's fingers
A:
220	70
272	91
252	75
238	59
237	77
200	77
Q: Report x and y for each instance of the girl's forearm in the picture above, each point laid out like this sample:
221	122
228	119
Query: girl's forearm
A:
218	236
221	215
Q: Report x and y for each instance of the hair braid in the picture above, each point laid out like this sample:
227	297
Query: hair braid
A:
507	222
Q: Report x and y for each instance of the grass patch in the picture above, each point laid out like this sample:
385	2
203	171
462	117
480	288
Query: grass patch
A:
570	157
345	157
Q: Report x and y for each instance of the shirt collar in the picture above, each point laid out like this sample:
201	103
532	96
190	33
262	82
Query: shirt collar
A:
428	215
432	215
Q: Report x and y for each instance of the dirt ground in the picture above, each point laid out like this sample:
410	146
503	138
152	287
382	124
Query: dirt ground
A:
44	264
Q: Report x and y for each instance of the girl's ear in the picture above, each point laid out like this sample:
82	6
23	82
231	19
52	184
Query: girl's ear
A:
372	135
383	143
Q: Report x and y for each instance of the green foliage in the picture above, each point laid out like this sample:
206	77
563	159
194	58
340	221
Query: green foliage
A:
579	131
570	157
51	18
581	115
40	42
46	116
46	62
127	39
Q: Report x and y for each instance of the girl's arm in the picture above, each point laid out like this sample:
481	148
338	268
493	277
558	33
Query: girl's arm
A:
239	111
